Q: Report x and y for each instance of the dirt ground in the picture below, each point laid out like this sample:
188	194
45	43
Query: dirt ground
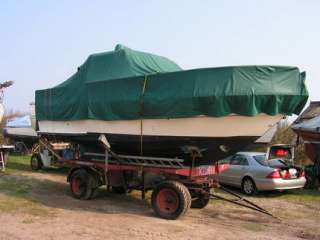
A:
38	205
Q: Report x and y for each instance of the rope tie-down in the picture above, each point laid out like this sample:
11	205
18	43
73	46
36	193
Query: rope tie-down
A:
141	112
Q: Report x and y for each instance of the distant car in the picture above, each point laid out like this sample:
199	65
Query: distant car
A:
252	172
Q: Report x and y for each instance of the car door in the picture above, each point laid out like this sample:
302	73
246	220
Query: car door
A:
223	177
238	168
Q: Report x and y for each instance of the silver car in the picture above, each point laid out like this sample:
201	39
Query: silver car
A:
252	172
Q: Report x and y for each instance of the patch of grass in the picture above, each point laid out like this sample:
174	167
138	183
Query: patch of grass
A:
309	233
38	211
11	204
21	163
28	221
301	195
297	214
254	227
13	186
15	196
18	163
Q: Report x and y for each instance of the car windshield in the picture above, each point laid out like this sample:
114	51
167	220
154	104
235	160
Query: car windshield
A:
261	159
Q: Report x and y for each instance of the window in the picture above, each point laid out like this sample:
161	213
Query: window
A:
282	152
261	159
239	160
226	160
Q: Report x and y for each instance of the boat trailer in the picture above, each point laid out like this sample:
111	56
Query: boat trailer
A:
175	187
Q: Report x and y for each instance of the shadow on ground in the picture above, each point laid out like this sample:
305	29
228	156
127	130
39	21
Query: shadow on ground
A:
56	194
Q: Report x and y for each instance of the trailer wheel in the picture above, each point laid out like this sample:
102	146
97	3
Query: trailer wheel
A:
82	184
200	202
119	190
20	148
170	199
35	162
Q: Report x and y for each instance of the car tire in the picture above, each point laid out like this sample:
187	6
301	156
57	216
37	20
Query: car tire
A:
248	186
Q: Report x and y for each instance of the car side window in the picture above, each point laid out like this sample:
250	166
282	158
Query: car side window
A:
235	160
244	161
239	160
226	160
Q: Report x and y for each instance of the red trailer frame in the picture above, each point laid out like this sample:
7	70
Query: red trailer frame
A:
180	189
175	187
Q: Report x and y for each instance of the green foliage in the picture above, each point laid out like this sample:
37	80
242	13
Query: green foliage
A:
18	163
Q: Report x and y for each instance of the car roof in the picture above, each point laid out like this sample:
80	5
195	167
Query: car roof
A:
251	153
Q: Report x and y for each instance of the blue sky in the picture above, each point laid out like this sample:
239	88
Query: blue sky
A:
43	42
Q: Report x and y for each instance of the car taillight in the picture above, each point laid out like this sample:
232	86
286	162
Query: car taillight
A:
285	174
274	174
302	173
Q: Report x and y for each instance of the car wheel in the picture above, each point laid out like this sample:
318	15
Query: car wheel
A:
248	186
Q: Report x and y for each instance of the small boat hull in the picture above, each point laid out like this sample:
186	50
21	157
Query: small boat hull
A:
215	138
212	148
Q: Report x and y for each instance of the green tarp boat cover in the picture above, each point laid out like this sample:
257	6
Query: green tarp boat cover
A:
125	84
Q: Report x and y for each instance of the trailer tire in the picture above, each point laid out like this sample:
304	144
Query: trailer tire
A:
170	200
35	162
82	184
94	193
200	202
118	190
20	148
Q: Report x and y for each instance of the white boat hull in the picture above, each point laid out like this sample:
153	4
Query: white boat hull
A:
229	126
216	137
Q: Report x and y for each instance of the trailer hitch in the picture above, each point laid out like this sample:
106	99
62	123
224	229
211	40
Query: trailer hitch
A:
241	201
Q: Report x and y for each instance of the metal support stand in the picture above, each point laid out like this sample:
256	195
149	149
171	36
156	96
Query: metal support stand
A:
106	162
143	192
2	161
240	201
45	143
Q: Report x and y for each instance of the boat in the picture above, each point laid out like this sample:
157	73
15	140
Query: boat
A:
147	105
309	130
20	132
307	125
